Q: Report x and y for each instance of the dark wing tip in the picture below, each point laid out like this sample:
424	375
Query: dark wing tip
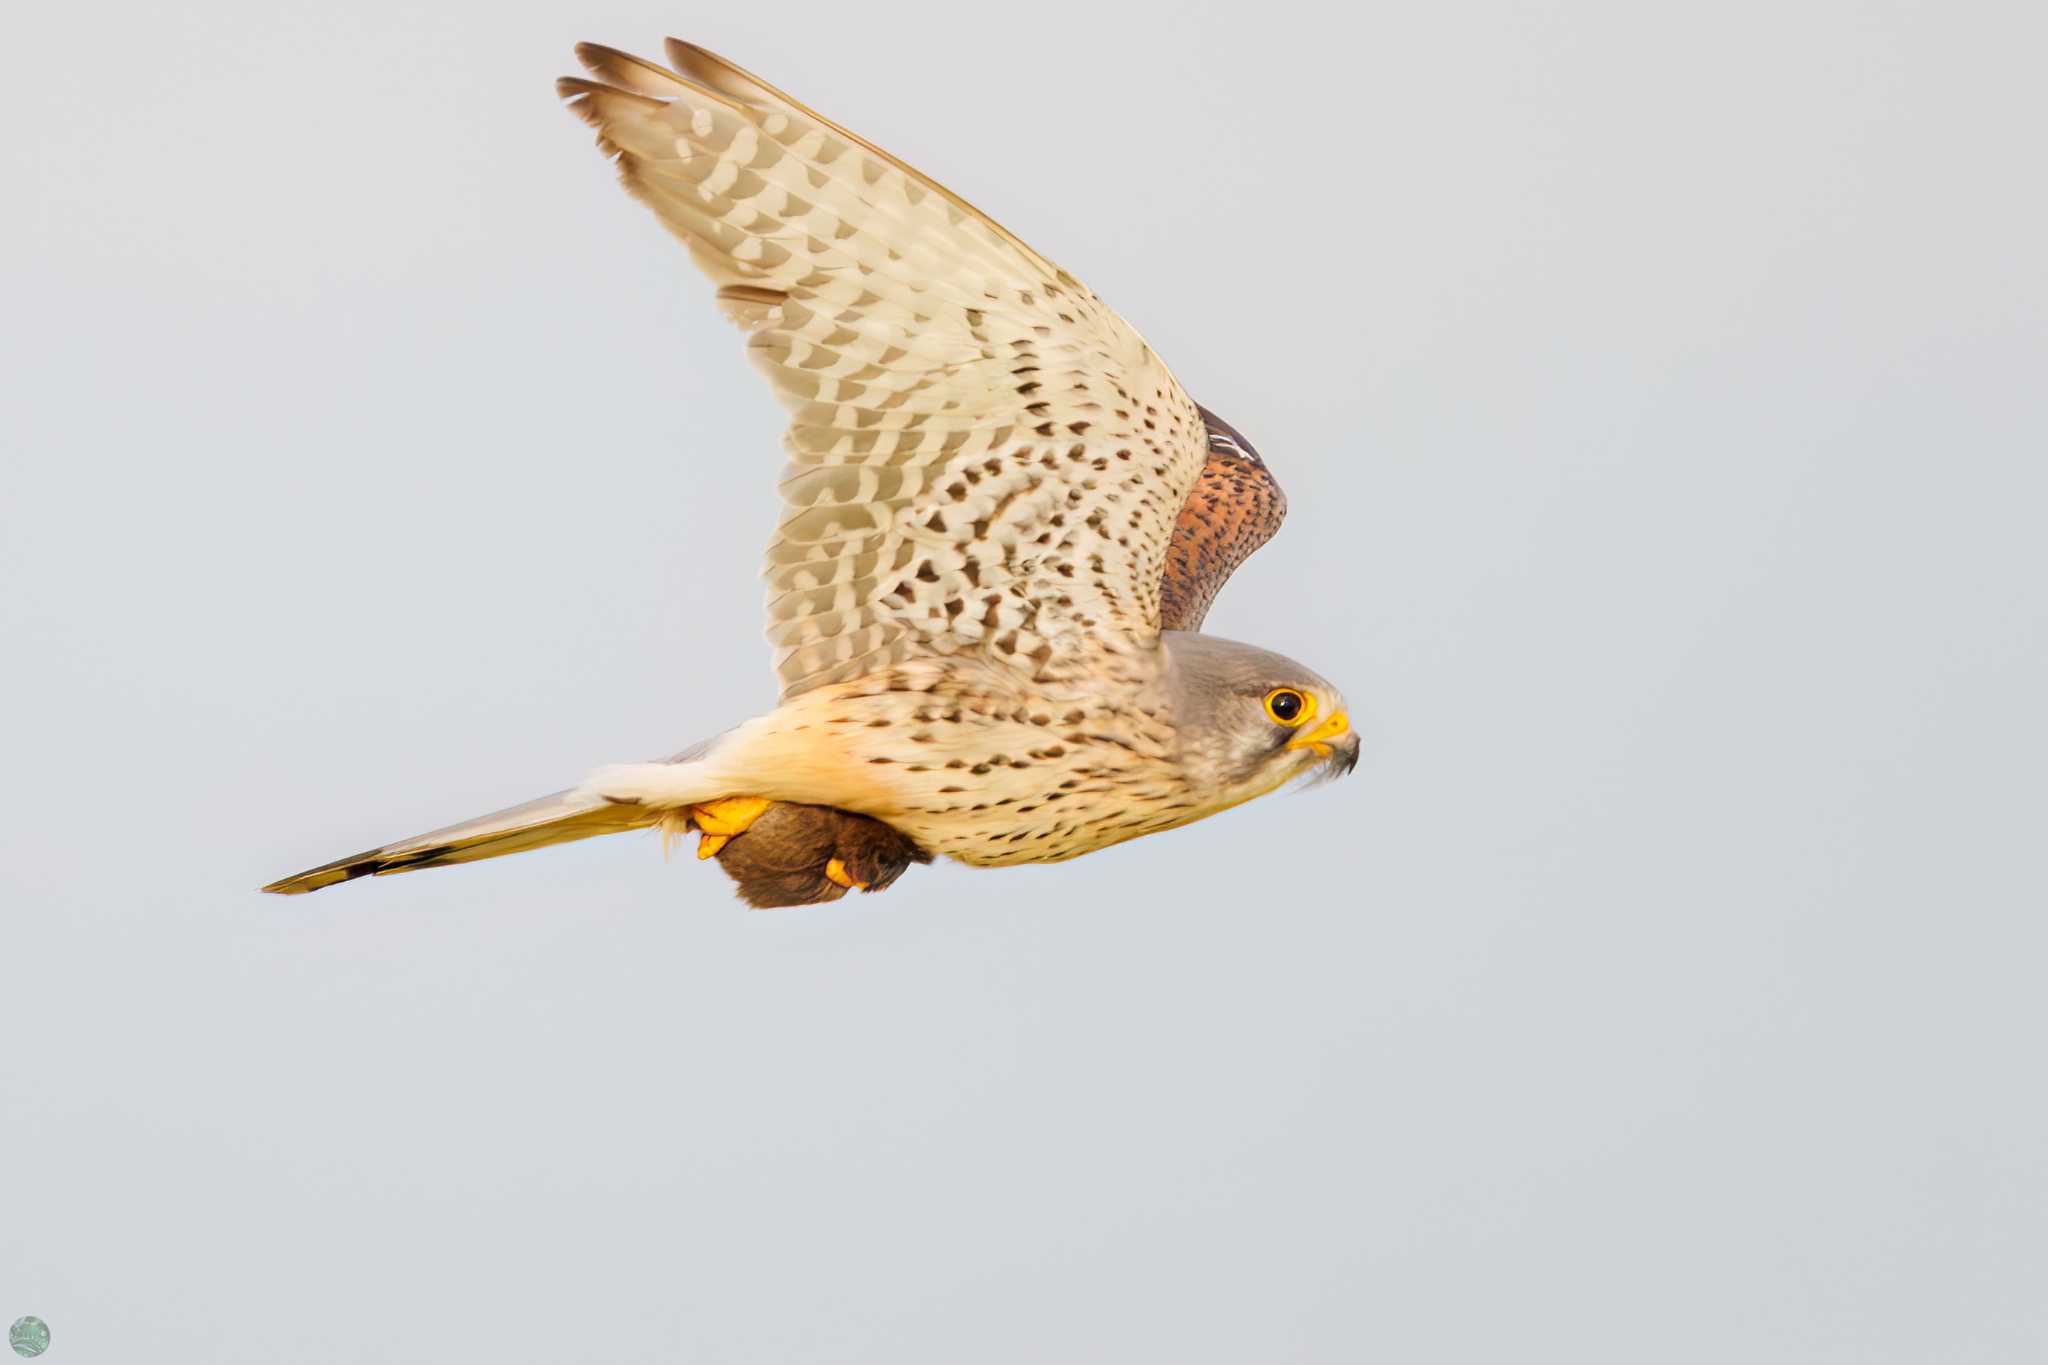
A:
1226	438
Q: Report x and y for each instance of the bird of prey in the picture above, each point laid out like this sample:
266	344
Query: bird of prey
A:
1004	524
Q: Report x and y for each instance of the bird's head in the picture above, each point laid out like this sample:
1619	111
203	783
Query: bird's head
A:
1249	720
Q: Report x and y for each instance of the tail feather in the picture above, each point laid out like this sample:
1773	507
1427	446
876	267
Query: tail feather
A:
615	799
558	819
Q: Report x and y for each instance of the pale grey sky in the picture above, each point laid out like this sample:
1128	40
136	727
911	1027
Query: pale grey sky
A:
1660	394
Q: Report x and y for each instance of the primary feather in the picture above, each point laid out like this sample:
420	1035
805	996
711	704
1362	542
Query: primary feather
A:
983	455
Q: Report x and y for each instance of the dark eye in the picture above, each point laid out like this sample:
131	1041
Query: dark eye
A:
1286	705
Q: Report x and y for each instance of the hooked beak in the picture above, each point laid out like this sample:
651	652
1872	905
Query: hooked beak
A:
1331	741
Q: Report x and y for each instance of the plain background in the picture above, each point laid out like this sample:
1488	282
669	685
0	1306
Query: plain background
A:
1660	392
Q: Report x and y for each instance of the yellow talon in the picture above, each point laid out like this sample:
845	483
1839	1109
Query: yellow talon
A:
729	815
836	871
720	820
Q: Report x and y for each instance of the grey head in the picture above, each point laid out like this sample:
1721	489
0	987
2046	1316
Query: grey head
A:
1249	720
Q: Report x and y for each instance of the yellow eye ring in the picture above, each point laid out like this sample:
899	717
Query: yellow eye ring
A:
1288	707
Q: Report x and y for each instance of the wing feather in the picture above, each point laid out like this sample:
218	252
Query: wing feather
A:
982	455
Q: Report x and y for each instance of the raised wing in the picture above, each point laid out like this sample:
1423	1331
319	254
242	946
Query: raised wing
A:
1235	507
983	455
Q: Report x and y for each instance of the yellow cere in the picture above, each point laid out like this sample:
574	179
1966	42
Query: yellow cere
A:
1319	738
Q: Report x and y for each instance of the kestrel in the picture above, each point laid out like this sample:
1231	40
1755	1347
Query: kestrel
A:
1004	523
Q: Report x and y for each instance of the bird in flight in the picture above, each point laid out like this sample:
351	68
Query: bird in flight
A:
1004	522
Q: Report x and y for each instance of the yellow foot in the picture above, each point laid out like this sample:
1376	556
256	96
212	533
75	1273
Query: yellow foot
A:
836	871
725	817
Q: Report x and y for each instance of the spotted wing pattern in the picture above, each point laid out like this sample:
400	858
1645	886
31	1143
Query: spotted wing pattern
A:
983	456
